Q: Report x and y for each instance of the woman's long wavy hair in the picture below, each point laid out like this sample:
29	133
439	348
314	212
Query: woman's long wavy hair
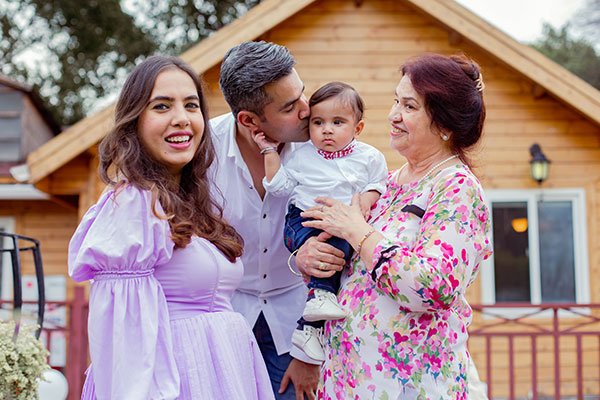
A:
188	204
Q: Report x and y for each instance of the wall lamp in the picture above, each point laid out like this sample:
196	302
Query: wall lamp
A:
539	164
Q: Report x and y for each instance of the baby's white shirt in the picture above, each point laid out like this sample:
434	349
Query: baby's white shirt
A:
307	175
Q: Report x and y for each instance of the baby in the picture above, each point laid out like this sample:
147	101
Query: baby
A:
332	164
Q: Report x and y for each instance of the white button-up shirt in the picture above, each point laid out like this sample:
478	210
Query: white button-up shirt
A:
268	285
306	175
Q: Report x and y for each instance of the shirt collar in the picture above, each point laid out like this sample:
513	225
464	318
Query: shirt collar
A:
330	155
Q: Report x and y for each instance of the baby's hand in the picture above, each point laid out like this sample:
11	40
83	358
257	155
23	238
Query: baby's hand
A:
366	201
365	207
261	140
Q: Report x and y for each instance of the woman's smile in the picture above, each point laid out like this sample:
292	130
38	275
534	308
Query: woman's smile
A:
179	140
395	131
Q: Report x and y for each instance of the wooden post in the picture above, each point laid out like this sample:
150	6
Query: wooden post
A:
92	189
78	346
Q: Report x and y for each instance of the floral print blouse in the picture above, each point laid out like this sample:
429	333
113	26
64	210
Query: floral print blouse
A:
405	336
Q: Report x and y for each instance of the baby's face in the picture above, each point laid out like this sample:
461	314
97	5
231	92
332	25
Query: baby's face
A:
333	125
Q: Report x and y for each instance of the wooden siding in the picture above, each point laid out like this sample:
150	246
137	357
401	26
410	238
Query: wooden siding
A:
71	179
461	24
334	40
52	224
364	46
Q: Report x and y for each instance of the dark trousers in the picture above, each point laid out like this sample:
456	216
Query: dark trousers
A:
276	364
294	236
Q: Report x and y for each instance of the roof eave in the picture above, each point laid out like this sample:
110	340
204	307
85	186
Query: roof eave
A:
206	54
527	61
264	16
269	13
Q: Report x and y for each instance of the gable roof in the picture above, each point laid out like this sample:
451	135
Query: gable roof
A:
548	75
35	100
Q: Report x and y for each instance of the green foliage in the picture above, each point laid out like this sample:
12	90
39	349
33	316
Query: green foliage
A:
575	54
21	363
176	25
76	52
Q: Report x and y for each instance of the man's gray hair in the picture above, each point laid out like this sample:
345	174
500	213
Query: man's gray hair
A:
247	68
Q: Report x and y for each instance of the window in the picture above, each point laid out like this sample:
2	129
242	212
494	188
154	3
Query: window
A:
540	247
11	105
7	224
10	139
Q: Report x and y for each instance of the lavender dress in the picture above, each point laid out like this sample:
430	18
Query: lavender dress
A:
161	325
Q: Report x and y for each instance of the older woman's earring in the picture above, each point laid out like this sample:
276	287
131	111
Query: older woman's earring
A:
445	137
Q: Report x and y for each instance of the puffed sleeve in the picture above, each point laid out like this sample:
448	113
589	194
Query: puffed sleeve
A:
117	245
378	172
452	241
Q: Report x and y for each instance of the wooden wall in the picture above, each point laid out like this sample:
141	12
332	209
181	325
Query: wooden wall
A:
52	224
74	188
70	179
364	46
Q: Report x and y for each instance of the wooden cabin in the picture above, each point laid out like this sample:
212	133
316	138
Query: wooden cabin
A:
25	125
544	234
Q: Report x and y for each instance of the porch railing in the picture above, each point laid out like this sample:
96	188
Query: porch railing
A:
522	351
75	333
549	351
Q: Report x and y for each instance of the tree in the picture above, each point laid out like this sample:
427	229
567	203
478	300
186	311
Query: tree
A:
575	54
77	52
176	25
587	20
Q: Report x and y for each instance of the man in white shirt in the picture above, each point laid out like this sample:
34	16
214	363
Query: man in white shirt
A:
266	95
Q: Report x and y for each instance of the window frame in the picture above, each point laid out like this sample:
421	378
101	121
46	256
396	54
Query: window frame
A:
580	244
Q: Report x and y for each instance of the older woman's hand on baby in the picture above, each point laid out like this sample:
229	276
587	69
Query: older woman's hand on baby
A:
318	258
337	218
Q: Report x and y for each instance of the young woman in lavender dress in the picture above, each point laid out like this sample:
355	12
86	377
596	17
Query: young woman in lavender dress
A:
162	261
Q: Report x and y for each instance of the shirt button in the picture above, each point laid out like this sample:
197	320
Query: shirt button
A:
264	250
265	276
264	216
265	301
250	187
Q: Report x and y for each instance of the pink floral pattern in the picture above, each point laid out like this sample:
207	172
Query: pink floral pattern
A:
406	332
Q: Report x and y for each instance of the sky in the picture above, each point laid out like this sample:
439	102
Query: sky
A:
523	19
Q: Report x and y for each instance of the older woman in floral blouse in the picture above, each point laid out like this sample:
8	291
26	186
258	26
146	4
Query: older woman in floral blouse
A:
405	336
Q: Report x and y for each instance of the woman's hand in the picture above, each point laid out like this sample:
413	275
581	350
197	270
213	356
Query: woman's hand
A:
318	258
336	218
